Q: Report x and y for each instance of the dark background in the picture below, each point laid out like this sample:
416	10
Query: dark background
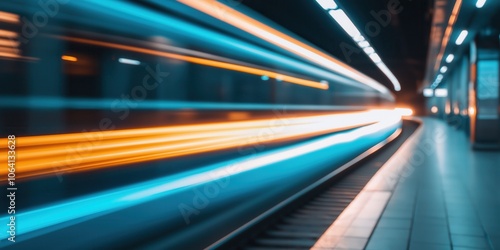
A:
402	43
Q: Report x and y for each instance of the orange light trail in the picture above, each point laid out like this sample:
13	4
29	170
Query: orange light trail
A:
8	34
206	62
241	21
69	58
9	43
9	17
50	154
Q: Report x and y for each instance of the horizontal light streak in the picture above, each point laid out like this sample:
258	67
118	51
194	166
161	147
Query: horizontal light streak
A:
9	50
203	61
41	155
258	29
9	55
71	212
69	58
8	17
9	43
129	61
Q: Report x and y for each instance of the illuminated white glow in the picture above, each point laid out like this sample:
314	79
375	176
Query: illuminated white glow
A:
434	109
440	76
78	210
404	111
443	69
450	58
441	92
461	37
359	39
327	4
343	20
428	92
350	28
129	61
480	3
375	58
369	50
364	44
388	73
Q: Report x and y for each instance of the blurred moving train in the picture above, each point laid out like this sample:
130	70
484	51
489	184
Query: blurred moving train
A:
169	123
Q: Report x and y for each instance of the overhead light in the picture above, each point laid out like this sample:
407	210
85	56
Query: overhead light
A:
450	58
428	92
129	61
69	58
480	3
441	92
264	78
343	20
328	4
440	76
359	39
461	37
348	26
369	50
443	69
364	44
375	58
389	74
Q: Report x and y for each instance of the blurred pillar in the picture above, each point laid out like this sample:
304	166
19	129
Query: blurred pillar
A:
45	83
485	132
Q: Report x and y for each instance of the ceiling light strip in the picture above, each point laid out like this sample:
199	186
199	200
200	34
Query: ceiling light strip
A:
350	28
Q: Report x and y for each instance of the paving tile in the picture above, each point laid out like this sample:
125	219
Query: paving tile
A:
469	248
495	241
394	223
444	203
351	243
469	241
436	235
364	223
464	230
428	246
363	232
391	233
384	244
399	213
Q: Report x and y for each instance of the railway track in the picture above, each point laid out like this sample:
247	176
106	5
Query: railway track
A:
300	223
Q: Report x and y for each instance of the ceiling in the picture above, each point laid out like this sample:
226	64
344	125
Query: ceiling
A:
402	43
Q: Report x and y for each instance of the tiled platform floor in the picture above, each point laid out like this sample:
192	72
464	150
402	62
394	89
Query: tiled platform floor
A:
433	193
447	196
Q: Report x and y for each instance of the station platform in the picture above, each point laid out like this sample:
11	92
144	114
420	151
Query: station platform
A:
434	193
